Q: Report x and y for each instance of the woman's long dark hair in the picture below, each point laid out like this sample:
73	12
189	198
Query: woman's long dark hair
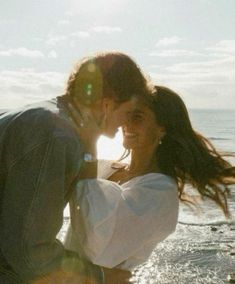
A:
186	155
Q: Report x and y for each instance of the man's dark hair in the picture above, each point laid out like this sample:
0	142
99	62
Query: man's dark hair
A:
107	74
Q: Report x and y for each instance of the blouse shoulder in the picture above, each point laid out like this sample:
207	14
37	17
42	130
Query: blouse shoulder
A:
107	167
153	180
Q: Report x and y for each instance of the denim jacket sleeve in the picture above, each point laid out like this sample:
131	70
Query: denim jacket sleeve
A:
32	205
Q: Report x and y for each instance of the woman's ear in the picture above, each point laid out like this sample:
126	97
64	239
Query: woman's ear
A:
105	103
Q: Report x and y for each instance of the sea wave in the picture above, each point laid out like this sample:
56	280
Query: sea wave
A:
219	138
215	223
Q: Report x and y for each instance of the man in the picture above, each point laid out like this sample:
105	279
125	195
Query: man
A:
41	155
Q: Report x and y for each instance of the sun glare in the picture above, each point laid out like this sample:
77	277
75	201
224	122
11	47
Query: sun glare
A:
97	7
110	149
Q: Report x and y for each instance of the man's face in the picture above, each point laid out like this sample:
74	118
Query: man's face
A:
115	115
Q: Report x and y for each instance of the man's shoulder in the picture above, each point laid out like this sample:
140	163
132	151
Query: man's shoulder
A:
45	110
45	114
35	109
40	120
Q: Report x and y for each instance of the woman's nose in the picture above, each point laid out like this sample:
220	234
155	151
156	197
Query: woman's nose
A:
127	124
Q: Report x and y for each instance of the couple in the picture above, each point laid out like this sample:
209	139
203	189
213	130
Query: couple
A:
48	157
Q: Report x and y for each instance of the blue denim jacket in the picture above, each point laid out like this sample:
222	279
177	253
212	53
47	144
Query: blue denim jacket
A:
40	155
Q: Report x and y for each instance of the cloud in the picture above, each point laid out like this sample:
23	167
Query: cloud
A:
53	40
80	34
27	86
200	91
64	23
207	83
223	66
73	36
106	29
166	41
223	47
175	53
22	51
52	54
69	14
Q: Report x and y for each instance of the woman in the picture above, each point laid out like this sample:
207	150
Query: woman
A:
121	219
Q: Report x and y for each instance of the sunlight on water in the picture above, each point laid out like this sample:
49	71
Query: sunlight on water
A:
201	250
190	255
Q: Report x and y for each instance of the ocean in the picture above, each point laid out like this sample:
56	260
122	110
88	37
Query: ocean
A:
202	249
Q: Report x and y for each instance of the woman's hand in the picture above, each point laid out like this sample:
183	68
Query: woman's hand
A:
116	276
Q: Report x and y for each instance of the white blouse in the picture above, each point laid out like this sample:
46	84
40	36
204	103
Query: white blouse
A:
120	225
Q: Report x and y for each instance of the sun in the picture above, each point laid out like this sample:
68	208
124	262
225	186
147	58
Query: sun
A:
96	8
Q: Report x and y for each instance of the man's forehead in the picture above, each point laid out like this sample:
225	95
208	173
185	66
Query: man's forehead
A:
135	105
130	106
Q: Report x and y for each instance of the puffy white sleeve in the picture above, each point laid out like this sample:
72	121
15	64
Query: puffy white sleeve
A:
120	225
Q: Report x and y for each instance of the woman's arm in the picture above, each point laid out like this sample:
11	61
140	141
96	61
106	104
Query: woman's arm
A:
115	275
117	224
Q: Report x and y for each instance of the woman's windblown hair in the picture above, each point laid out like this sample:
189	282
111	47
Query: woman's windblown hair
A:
186	155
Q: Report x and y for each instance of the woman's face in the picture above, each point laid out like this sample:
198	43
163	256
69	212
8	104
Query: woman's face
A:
141	130
116	115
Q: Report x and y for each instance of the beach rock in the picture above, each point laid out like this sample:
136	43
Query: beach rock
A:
231	278
214	229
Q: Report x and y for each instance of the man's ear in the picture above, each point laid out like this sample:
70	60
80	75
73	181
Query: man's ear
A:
162	131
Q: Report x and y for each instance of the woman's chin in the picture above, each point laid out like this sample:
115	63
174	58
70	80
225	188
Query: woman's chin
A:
110	133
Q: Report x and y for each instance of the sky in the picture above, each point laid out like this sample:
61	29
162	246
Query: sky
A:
188	45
